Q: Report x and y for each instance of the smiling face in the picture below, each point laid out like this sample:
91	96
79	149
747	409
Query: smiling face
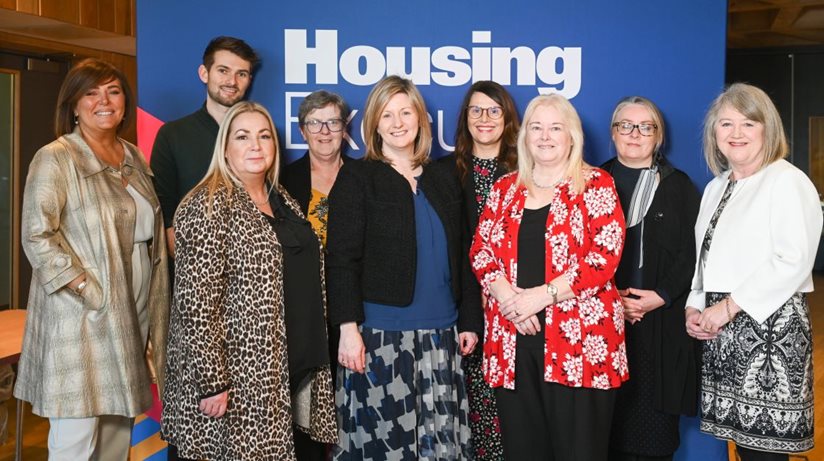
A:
634	149
101	108
326	143
250	146
228	78
486	132
547	137
740	140
398	125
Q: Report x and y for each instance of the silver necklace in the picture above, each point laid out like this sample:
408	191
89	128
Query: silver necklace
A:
544	186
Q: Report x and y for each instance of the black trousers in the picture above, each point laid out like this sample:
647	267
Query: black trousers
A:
748	454
543	421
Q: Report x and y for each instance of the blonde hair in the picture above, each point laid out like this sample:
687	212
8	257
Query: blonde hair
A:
575	164
376	102
753	103
654	113
220	174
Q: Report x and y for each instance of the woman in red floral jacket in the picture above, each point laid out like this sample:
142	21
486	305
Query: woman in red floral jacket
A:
545	252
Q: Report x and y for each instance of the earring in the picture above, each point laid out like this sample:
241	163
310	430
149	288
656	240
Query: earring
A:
75	119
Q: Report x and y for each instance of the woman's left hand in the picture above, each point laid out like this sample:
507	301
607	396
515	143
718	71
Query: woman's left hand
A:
467	342
714	318
526	303
638	302
214	406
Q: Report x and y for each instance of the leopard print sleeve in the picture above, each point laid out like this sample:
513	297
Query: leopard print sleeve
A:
200	286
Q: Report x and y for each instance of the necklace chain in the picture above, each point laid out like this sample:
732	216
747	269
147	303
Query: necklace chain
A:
545	186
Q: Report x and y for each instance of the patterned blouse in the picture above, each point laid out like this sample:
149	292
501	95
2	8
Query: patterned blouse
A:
318	213
585	334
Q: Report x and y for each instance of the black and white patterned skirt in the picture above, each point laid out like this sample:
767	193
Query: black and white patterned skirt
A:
409	404
757	380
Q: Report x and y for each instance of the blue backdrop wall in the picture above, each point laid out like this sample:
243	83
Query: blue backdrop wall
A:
593	52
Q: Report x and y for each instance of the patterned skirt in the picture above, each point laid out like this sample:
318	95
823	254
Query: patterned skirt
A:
409	404
757	380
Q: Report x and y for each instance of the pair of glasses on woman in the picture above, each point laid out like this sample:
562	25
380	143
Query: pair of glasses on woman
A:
493	112
625	128
316	126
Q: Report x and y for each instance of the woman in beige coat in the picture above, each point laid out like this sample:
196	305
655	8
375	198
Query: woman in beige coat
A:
93	234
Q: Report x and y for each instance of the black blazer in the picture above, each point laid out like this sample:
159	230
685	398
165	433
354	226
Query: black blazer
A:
468	189
371	240
669	261
296	177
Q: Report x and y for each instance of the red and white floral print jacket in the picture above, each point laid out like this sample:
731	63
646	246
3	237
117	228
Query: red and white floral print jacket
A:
584	238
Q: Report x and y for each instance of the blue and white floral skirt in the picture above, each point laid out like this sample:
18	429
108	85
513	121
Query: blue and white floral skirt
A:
757	380
409	404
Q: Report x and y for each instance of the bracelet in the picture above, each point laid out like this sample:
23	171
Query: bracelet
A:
727	306
80	287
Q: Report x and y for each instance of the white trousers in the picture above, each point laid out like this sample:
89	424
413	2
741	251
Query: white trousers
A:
103	438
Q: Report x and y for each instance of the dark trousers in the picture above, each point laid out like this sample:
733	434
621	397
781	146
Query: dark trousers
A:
616	456
748	454
543	421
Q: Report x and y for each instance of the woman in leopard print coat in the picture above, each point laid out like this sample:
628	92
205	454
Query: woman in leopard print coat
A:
233	392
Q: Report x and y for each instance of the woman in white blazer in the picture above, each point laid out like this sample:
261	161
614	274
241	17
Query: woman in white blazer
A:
756	238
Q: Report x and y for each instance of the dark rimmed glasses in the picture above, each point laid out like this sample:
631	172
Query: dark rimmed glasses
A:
316	126
646	129
494	112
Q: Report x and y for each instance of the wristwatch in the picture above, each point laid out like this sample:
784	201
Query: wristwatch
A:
552	290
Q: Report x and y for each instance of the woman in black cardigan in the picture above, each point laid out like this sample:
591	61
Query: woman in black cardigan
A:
660	204
485	149
399	287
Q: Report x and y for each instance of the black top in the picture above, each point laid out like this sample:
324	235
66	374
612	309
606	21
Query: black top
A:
181	155
628	274
305	324
296	177
669	261
532	265
468	189
371	240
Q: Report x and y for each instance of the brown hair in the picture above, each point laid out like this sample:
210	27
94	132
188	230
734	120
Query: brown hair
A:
233	45
464	144
378	98
84	76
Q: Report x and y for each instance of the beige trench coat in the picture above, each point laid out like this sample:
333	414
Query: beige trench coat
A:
84	356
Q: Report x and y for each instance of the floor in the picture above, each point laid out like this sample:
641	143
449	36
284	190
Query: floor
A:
147	446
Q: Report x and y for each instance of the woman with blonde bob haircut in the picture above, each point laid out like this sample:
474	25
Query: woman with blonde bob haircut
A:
247	331
545	252
400	290
378	99
756	239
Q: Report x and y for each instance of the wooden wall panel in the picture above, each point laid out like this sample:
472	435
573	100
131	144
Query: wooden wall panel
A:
106	12
88	13
123	17
28	6
62	10
8	4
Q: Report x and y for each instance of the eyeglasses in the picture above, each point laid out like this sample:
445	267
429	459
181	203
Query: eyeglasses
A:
316	126
646	129
493	112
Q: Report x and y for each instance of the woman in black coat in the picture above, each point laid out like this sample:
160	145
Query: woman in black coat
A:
660	205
